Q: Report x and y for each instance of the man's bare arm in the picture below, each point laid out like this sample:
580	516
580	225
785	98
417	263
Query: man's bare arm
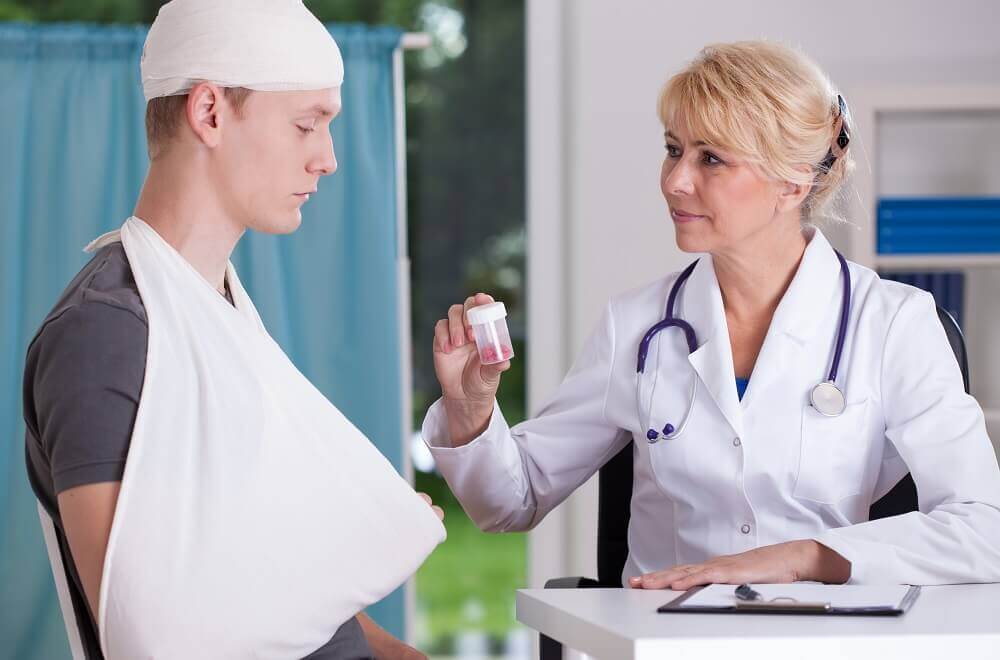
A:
87	512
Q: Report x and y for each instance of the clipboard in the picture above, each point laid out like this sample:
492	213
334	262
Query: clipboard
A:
824	600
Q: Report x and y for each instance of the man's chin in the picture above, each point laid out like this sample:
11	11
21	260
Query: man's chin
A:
292	223
287	223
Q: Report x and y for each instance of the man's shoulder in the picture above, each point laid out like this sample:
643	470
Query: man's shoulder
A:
106	280
99	313
104	289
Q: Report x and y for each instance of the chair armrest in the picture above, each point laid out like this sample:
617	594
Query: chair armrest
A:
572	583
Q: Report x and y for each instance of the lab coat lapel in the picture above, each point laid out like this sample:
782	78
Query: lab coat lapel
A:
815	289
701	306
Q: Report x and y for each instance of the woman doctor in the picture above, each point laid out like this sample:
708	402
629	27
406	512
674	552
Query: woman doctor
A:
789	390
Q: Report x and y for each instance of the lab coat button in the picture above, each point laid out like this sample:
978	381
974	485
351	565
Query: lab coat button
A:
736	442
745	529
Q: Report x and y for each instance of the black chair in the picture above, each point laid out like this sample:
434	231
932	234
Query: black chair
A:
615	496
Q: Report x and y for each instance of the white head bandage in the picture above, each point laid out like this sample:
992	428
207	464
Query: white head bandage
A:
265	45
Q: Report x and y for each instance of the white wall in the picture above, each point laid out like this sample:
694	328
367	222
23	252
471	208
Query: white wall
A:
597	223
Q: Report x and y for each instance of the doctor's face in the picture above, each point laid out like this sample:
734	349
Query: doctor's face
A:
716	200
275	155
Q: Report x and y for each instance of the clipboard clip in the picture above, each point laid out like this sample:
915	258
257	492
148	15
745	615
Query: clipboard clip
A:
747	598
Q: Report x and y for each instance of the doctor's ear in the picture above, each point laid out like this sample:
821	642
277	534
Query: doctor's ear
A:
792	195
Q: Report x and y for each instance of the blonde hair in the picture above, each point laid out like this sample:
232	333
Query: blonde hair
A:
769	104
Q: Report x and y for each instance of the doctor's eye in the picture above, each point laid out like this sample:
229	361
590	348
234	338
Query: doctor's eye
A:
306	129
673	151
711	159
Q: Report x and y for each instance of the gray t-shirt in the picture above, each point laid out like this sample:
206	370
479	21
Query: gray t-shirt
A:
82	380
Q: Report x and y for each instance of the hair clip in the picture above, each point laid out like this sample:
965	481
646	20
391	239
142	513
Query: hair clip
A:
843	136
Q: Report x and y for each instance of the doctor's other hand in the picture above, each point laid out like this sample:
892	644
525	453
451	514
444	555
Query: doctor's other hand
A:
793	561
468	387
438	511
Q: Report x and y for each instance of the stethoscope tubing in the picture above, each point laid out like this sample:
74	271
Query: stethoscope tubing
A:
670	321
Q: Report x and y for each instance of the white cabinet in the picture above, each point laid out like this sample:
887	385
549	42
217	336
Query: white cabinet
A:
932	142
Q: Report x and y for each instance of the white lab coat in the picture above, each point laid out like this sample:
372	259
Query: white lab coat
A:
769	468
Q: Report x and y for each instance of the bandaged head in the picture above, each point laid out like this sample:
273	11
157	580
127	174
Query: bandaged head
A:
264	45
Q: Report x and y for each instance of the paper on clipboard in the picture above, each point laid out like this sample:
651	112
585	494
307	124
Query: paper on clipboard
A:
840	596
798	598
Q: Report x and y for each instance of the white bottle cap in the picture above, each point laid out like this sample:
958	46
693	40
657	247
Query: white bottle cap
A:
487	313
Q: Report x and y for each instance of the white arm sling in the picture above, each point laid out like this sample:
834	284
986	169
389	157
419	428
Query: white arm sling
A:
254	518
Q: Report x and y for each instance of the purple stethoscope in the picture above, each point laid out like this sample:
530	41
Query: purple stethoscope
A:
825	397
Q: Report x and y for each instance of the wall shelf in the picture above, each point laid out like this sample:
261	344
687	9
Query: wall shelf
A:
870	105
936	261
933	142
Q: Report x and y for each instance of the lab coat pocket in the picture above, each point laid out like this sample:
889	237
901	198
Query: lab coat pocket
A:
832	454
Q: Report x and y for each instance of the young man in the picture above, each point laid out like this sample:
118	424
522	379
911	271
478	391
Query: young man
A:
202	492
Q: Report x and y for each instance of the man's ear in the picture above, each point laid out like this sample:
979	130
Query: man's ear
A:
204	112
792	195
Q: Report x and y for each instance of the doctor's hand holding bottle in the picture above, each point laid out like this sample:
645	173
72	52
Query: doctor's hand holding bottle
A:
468	387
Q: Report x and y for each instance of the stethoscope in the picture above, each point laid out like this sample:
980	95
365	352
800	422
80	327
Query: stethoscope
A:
825	397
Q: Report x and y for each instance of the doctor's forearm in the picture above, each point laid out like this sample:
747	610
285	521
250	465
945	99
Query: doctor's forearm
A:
466	420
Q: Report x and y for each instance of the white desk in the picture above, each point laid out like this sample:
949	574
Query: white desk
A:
945	623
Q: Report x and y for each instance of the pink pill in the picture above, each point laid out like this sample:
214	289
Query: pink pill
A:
490	354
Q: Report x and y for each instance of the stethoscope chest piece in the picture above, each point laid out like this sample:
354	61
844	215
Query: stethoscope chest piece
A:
827	399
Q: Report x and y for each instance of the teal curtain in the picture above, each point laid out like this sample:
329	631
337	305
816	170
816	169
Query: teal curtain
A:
74	158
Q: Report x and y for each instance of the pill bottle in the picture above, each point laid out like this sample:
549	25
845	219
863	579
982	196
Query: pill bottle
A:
489	322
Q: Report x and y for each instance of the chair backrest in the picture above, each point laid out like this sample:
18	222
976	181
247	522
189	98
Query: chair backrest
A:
66	605
957	341
615	486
